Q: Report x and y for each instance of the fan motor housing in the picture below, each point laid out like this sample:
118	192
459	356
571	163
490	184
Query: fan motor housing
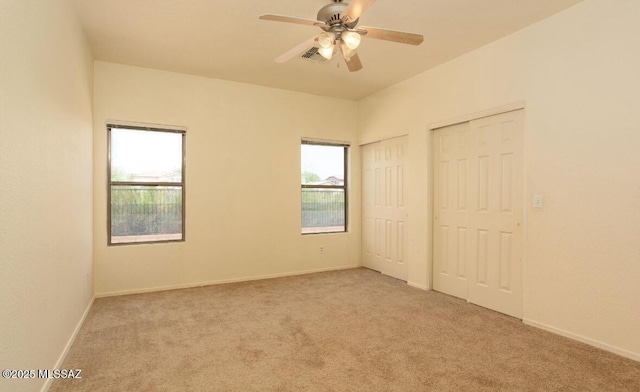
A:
330	14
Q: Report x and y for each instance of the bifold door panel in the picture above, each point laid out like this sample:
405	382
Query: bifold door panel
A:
384	185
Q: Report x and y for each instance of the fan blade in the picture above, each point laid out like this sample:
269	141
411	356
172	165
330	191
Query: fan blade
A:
355	9
395	36
303	47
290	19
354	63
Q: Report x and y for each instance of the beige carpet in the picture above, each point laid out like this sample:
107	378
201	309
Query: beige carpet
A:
352	330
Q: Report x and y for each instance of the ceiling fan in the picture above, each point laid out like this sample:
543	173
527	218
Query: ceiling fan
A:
339	22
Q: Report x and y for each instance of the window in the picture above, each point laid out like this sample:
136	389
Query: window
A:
146	185
324	187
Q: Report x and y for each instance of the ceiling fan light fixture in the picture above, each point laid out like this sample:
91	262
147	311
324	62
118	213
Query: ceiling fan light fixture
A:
351	39
325	40
347	53
340	32
327	52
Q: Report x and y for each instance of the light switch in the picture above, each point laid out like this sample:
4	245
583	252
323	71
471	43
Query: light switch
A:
538	201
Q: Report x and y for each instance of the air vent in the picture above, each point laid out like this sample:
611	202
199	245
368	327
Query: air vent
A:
313	55
334	18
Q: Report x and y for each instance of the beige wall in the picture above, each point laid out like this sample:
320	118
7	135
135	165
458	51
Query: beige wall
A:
578	75
242	180
46	283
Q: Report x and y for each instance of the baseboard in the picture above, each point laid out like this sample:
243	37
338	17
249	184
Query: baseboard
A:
417	285
583	339
63	356
221	281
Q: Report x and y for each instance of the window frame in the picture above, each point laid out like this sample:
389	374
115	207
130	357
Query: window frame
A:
343	187
181	184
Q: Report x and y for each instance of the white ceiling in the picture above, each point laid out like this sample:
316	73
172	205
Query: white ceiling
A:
226	40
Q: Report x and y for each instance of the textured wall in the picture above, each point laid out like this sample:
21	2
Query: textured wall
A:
242	179
578	74
46	279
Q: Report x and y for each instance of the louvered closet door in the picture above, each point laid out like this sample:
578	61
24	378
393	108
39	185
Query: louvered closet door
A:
478	211
384	184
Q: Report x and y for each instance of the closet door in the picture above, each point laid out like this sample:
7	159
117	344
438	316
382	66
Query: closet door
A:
478	211
384	185
452	194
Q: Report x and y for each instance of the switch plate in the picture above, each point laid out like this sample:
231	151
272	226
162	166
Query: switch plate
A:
538	201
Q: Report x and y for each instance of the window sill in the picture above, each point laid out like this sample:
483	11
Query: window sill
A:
322	230
146	239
